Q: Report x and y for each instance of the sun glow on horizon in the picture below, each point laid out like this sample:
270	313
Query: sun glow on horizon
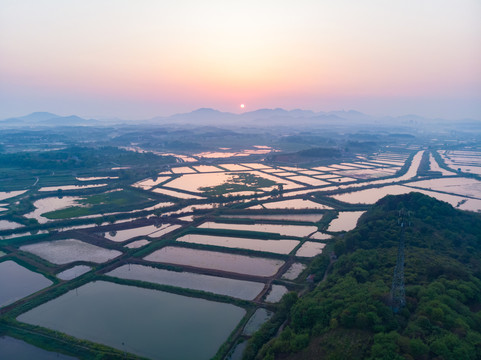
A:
170	57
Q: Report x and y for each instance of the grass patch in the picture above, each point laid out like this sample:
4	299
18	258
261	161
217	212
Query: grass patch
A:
239	182
124	200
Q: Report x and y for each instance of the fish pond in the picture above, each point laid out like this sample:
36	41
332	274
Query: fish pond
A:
310	249
320	236
241	289
70	250
238	351
345	221
146	322
70	187
279	217
286	230
256	320
17	282
15	349
9	225
73	272
274	246
276	293
123	235
50	204
10	194
294	271
137	244
295	204
455	185
176	194
216	260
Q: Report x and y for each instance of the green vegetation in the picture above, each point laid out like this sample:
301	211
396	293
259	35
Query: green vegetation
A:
239	182
55	341
269	329
312	154
115	201
320	153
424	167
178	290
23	170
348	315
236	233
361	146
76	157
443	165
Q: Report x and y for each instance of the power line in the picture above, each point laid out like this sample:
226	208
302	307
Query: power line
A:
398	292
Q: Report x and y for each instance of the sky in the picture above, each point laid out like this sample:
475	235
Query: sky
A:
144	58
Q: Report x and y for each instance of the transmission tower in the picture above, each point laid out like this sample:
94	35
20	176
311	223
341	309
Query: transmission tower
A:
398	293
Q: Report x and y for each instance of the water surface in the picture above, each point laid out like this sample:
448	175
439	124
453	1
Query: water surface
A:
70	250
310	249
146	322
216	260
233	167
345	221
70	187
10	194
286	230
92	178
256	321
455	185
16	282
238	351
9	225
320	236
274	246
294	271
276	293
308	180
183	170
15	349
50	204
295	204
285	217
176	194
246	290
148	184
206	168
137	244
74	272
123	235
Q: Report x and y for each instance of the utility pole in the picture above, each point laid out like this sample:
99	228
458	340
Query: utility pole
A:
398	292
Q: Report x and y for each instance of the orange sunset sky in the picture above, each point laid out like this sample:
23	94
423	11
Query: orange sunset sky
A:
138	59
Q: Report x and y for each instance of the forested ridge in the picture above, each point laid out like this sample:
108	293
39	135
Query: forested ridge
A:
348	316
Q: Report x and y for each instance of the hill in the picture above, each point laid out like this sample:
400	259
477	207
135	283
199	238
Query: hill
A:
348	316
47	119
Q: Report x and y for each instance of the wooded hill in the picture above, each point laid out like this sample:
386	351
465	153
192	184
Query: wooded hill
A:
349	315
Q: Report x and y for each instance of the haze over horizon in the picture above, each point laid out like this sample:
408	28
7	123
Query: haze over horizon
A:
202	114
145	59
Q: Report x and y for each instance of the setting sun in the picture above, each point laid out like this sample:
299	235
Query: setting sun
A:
242	106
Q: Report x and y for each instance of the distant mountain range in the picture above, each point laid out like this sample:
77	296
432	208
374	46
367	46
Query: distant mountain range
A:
47	119
278	116
212	117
